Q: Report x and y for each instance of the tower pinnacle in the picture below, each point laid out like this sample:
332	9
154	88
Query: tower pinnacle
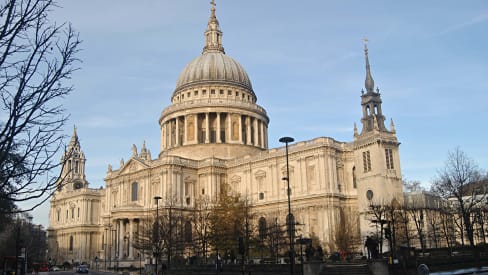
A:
369	82
213	34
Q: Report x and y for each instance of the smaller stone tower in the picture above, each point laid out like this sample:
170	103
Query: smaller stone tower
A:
376	149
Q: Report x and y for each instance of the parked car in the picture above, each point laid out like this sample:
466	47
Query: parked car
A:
55	268
82	269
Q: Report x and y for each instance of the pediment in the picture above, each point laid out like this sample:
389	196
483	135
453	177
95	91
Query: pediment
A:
133	165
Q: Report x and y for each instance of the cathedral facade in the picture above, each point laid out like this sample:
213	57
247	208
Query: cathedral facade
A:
215	136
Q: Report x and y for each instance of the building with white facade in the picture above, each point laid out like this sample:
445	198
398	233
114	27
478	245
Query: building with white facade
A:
214	134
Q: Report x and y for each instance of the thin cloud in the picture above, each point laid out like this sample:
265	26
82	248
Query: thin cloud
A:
473	21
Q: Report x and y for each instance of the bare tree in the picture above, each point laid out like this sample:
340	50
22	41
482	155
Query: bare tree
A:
201	226
378	212
347	232
37	58
458	181
433	220
447	226
416	213
412	185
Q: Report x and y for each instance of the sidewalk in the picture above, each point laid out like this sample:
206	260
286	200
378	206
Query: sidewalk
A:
465	271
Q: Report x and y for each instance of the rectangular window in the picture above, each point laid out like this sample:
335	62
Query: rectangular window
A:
229	92
196	93
204	92
212	91
221	92
72	213
188	94
58	214
78	212
366	161
389	159
135	187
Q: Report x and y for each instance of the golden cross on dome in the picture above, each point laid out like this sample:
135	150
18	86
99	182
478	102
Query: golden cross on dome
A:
213	3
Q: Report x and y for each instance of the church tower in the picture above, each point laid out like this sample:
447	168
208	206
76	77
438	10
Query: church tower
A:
73	230
73	172
376	149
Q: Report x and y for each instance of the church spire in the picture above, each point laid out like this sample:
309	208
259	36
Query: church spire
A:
373	119
74	139
213	34
369	82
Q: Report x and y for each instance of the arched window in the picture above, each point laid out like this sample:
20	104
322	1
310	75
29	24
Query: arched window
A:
188	233
70	243
135	186
262	228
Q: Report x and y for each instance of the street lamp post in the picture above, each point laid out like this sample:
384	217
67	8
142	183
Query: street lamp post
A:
287	140
157	198
105	249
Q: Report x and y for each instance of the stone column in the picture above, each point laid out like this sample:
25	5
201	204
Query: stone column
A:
248	130
168	128
185	125
196	129
207	130
219	140
121	239
265	134
131	239
240	129
261	130
163	138
90	214
229	128
177	131
256	132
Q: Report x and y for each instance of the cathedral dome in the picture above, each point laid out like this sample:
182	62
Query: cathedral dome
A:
212	67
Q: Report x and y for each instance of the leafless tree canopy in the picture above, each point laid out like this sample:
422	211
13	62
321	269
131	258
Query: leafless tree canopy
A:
37	58
458	181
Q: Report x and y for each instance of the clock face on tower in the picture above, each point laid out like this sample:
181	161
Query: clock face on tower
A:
77	185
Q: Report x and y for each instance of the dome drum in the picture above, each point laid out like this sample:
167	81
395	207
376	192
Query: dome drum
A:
216	91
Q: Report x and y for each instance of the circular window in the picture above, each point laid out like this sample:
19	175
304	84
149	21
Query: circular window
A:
369	195
78	185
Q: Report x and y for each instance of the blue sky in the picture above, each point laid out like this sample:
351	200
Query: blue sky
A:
306	63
